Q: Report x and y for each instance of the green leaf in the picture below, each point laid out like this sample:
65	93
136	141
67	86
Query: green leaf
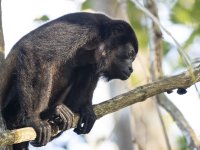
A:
42	18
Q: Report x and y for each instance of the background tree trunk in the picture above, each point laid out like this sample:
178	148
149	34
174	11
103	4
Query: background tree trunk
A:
2	58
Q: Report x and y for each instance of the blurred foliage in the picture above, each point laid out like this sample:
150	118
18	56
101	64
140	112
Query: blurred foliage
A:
43	18
86	5
182	143
187	12
136	17
180	64
134	80
166	47
184	12
196	61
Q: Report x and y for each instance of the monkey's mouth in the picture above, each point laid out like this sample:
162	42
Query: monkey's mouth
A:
125	75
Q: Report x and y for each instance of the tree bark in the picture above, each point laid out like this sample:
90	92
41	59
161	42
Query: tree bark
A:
1	38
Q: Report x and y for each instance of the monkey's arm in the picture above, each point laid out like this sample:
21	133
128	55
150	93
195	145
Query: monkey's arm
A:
86	112
80	101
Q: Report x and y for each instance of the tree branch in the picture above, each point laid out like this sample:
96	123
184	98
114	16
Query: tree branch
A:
141	93
191	138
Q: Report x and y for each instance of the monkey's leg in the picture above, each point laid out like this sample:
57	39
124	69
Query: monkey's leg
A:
34	87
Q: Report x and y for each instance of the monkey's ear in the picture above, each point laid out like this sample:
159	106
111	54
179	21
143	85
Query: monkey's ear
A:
100	52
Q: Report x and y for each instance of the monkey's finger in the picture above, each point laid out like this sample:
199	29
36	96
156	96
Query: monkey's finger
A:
80	122
69	117
40	135
78	130
63	124
85	125
37	141
66	116
66	109
43	137
90	124
47	134
82	129
79	127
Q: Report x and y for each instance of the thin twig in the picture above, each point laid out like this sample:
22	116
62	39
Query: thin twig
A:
180	50
178	117
156	50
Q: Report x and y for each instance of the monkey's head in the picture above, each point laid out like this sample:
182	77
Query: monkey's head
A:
118	52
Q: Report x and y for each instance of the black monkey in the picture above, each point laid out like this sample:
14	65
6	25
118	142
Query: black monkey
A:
57	66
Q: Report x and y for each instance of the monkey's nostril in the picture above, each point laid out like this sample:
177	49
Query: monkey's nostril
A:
130	69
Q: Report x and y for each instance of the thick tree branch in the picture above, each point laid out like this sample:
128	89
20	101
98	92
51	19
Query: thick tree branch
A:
143	92
139	94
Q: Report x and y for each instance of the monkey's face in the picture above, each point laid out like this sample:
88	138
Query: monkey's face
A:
120	65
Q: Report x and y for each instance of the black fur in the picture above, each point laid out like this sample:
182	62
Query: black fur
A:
58	65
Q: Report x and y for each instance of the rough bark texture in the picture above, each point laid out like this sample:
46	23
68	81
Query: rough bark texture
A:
18	136
139	94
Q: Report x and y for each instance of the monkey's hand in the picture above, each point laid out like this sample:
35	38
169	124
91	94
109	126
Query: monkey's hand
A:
63	117
60	115
86	121
43	131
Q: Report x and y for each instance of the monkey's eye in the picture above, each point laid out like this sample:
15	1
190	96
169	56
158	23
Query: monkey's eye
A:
123	56
131	54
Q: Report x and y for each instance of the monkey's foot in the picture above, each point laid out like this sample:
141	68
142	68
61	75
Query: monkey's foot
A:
43	131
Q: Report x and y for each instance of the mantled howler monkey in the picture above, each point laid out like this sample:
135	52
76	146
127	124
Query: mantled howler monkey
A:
67	54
